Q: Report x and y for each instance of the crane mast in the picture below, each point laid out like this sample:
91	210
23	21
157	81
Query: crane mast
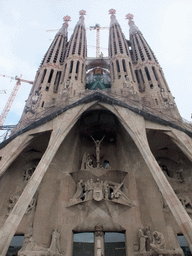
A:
12	96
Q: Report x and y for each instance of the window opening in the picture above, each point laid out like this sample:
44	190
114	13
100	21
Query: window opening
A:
83	244
114	244
155	74
183	244
124	65
118	67
42	104
50	76
15	245
71	67
43	76
57	80
147	73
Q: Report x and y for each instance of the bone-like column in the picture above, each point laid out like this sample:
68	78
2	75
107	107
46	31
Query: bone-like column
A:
11	224
135	126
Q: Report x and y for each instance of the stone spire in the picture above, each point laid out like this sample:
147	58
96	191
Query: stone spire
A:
121	63
48	78
149	75
74	67
133	28
63	29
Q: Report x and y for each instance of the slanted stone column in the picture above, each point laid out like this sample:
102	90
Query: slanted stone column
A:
135	126
11	224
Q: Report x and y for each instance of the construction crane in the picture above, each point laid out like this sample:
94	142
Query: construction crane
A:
12	96
2	91
97	28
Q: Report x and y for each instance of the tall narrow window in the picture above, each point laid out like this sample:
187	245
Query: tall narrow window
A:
133	78
57	80
77	67
43	76
71	67
113	72
50	76
118	67
155	74
124	65
82	73
147	73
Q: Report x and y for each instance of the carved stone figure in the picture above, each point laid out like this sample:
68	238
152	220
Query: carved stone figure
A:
31	206
142	240
98	191
185	200
79	192
55	245
13	200
90	189
28	173
106	190
158	242
148	238
97	145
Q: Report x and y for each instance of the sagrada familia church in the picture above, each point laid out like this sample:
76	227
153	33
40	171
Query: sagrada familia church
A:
100	161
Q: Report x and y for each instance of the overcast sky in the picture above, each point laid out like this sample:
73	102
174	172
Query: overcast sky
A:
165	24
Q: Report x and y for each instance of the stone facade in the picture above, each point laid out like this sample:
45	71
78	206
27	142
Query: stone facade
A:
100	148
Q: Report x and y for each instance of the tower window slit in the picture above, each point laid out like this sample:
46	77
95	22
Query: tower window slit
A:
147	73
77	67
118	67
43	76
50	76
74	45
140	50
79	51
57	52
62	52
137	76
113	72
146	50
42	104
155	74
82	72
136	56
124	65
51	52
131	71
71	67
141	75
57	80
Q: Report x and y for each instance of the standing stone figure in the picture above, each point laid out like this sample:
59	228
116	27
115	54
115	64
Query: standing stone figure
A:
142	240
79	192
55	245
97	145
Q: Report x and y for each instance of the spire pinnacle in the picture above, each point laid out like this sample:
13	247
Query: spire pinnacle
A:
133	28
113	17
82	13
63	29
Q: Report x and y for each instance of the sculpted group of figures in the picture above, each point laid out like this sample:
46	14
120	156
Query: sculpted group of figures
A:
15	197
156	243
31	248
98	190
